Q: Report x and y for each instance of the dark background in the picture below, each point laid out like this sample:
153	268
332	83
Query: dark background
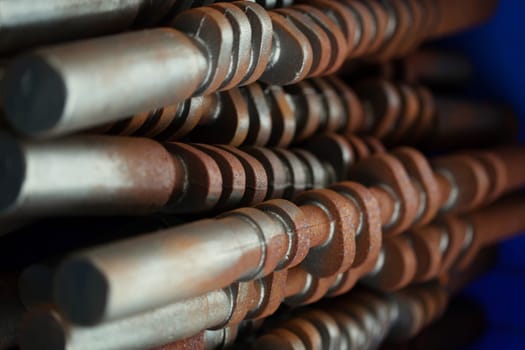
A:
497	50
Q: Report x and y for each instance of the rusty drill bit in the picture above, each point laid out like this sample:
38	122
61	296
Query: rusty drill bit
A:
253	242
256	115
279	116
98	172
57	90
260	298
449	244
411	114
127	333
360	320
117	175
222	308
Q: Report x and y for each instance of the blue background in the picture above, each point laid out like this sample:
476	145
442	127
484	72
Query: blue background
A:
497	50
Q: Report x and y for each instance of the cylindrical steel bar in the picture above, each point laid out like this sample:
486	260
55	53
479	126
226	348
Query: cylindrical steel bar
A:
96	174
255	242
56	89
150	329
260	298
143	176
450	243
230	256
360	320
398	112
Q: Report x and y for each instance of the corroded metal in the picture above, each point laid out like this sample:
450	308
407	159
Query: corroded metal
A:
121	175
328	231
361	319
56	90
396	112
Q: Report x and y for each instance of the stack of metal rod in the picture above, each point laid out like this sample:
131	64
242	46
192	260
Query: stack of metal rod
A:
207	174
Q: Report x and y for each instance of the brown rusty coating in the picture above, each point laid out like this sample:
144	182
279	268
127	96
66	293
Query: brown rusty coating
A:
426	243
338	253
233	124
417	11
450	243
397	112
382	105
468	174
308	333
423	176
235	43
286	232
366	27
397	266
368	237
252	115
338	45
401	21
387	171
407	187
202	188
233	175
197	342
412	308
457	232
410	110
280	339
381	19
317	37
283	118
512	158
256	177
362	319
457	16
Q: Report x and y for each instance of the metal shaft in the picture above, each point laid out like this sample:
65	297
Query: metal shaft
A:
119	175
85	175
147	330
64	82
55	90
396	112
253	242
261	298
361	320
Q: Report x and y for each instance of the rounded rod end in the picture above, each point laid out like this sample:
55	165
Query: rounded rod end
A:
12	172
80	279
34	94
